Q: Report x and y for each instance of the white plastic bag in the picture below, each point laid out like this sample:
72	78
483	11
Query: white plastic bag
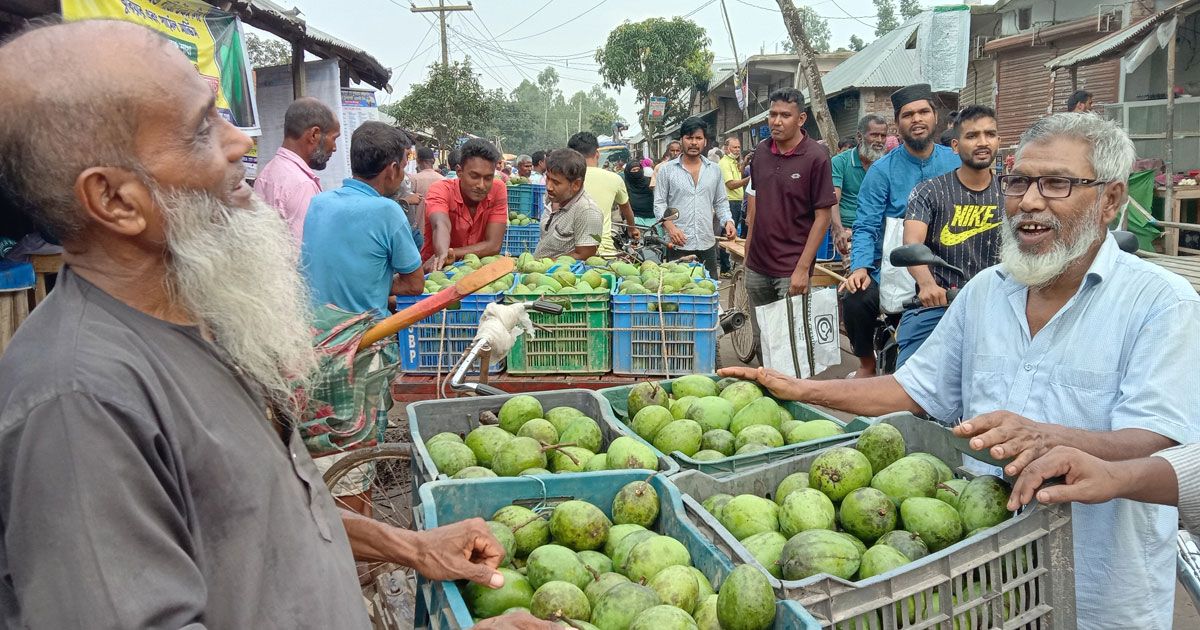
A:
896	285
785	339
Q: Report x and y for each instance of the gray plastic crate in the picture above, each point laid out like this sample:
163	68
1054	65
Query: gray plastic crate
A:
617	399
1026	564
461	415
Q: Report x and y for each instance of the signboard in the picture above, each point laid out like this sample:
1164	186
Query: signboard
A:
742	92
658	107
210	38
358	106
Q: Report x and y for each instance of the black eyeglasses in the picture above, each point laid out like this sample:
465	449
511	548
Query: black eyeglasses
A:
1050	186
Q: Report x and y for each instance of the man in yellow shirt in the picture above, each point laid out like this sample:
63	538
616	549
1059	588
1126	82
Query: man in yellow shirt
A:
735	188
606	188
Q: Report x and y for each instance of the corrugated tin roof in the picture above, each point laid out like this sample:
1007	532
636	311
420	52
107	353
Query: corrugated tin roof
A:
885	62
1118	42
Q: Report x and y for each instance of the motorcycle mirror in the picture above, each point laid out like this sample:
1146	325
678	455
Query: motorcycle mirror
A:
915	254
1127	241
671	214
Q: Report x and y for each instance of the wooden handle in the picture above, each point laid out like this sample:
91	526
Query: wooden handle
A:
466	285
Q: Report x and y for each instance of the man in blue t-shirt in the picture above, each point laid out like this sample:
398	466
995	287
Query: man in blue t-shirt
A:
884	193
358	247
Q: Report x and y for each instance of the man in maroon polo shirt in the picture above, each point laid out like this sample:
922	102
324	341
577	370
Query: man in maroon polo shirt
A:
792	185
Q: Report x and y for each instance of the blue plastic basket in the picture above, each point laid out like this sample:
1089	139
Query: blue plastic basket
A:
669	335
519	239
527	199
423	350
828	251
440	605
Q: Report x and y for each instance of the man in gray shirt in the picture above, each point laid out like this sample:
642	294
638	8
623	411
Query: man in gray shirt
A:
150	472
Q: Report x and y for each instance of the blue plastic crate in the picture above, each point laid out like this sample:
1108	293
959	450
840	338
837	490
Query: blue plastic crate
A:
519	239
527	199
428	348
428	418
828	251
440	605
669	335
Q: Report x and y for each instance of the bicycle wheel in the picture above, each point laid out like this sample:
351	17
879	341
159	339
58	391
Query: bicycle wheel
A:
745	339
376	482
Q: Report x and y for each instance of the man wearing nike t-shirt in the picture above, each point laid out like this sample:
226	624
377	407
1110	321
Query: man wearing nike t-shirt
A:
955	215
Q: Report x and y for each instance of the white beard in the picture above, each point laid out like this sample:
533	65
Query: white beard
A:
1039	270
235	270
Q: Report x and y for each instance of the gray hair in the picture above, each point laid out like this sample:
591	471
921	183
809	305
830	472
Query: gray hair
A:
523	158
864	123
305	113
1112	152
57	125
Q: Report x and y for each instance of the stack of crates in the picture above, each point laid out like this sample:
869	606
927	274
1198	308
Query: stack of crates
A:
668	335
576	341
434	344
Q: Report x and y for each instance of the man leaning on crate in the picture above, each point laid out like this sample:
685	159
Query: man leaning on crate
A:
1068	342
467	214
151	472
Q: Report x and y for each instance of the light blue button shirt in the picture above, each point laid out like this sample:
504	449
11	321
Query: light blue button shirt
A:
1120	354
696	200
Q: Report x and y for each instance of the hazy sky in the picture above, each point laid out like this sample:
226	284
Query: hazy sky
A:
509	41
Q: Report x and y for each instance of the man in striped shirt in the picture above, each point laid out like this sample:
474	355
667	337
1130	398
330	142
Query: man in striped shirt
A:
956	216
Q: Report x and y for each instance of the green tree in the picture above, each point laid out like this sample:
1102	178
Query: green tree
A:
538	116
657	57
885	12
856	43
910	8
817	29
449	103
265	52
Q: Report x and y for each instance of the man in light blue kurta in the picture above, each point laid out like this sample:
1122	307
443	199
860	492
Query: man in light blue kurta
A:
1113	358
1069	341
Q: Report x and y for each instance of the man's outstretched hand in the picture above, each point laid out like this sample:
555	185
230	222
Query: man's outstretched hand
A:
783	387
465	550
1006	435
516	621
1087	479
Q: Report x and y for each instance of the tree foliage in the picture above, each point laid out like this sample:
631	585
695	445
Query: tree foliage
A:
266	52
538	116
856	43
657	57
910	8
817	29
448	104
885	13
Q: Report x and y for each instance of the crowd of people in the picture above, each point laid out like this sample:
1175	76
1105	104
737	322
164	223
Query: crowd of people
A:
150	457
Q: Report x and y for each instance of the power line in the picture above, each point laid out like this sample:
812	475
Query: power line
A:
415	48
851	16
823	17
502	50
593	8
514	26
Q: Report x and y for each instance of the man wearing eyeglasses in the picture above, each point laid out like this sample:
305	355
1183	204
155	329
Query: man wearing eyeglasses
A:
1069	341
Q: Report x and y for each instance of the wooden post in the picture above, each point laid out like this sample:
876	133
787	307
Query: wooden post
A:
299	81
1169	204
816	91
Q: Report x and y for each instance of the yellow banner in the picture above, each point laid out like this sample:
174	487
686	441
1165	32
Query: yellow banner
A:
210	38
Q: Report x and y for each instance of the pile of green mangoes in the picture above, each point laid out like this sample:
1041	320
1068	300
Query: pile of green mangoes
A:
589	572
528	440
709	420
562	282
669	278
526	263
446	276
862	511
520	218
517	181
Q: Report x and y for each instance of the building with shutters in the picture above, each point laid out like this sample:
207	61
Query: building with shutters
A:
1026	35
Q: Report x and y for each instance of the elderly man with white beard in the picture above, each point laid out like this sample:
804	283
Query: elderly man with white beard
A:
149	463
1068	341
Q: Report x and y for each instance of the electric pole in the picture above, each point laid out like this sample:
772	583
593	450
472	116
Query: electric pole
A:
442	9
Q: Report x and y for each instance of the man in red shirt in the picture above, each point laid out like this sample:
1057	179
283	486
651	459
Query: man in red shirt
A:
468	214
